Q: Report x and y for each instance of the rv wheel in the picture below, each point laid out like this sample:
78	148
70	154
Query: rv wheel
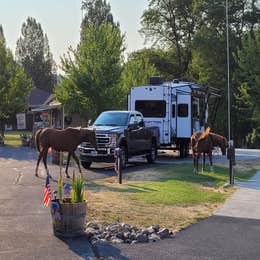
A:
151	157
184	150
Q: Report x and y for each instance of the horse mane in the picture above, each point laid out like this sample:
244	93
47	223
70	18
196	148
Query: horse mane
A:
204	134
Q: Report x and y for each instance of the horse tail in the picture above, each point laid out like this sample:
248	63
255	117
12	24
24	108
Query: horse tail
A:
36	139
204	134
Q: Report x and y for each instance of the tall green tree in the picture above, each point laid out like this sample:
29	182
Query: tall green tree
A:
170	24
137	71
97	12
14	86
92	72
247	75
1	32
209	59
33	53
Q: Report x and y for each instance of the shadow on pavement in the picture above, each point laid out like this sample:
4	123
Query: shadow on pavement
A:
82	247
107	250
18	153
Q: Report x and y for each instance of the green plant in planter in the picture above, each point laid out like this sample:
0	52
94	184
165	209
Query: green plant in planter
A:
78	189
60	186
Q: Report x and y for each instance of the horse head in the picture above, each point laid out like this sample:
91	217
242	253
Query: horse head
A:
224	145
89	135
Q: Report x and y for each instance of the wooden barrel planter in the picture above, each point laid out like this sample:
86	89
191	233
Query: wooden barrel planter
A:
72	221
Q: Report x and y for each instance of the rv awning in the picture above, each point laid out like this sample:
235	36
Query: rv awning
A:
46	107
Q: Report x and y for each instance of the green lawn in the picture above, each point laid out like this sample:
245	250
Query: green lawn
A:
12	138
178	185
174	197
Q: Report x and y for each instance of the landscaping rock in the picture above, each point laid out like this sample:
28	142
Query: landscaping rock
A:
124	233
154	238
164	233
142	238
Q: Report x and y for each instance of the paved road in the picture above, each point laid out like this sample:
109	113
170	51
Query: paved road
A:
25	225
26	232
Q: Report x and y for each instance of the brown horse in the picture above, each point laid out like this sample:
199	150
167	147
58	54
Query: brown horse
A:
204	143
65	140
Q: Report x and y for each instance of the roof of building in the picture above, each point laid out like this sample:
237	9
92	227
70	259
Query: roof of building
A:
38	97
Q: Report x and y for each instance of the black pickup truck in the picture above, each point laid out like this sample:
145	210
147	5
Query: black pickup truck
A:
124	129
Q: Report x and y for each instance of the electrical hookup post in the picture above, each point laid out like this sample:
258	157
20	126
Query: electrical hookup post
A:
232	161
118	164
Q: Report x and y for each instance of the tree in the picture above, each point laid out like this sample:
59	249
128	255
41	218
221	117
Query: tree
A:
171	24
137	71
208	65
33	53
14	86
92	72
1	32
164	61
97	13
247	74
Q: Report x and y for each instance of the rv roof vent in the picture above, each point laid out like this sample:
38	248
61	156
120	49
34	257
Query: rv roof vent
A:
176	81
156	80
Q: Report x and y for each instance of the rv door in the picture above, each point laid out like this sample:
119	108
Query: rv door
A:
183	115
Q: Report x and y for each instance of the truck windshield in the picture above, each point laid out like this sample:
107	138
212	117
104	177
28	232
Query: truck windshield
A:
112	119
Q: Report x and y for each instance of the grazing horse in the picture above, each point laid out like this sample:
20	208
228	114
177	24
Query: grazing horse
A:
203	143
65	140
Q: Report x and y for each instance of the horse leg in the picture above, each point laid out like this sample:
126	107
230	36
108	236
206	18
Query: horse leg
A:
210	161
67	166
197	163
76	160
45	153
194	163
38	162
203	162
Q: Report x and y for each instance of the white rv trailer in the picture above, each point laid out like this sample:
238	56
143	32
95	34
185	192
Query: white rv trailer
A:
178	108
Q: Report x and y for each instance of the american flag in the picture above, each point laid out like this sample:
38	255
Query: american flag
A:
47	193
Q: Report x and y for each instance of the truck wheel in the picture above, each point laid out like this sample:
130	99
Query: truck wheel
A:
86	165
152	156
124	158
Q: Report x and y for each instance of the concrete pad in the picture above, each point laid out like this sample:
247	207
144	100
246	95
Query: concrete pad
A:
245	203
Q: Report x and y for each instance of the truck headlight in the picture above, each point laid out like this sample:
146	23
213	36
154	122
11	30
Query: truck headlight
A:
113	142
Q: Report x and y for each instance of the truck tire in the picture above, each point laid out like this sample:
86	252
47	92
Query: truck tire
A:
86	165
152	155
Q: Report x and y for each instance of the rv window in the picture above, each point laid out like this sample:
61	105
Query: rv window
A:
173	110
183	110
151	108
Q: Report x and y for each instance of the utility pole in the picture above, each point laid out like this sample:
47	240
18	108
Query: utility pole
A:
231	149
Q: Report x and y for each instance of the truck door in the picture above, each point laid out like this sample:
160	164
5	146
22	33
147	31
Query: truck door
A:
131	134
183	120
144	134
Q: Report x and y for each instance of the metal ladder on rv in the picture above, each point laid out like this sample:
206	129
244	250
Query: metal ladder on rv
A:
167	122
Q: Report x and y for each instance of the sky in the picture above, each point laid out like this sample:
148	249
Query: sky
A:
60	20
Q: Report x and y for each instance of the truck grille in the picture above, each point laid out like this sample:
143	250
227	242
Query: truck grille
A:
103	140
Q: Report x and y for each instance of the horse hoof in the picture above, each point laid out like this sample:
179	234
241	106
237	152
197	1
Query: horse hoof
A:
36	174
